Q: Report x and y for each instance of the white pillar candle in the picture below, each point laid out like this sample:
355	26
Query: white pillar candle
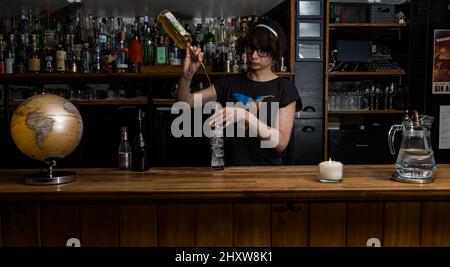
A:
330	171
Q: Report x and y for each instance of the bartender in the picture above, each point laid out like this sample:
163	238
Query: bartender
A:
264	139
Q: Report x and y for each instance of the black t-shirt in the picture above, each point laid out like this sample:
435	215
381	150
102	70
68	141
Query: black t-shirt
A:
239	88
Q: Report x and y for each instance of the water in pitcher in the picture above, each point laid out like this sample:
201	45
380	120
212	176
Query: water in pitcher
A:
415	163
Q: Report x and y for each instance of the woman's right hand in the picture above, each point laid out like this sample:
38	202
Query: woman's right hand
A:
191	65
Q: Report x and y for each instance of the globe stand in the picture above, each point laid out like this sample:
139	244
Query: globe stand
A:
50	177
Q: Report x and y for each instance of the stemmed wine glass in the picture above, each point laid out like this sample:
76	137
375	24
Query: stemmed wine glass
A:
386	96
367	98
377	96
391	93
372	96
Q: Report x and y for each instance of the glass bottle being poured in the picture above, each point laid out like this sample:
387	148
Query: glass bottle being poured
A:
178	34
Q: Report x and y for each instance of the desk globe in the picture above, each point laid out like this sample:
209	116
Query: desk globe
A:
47	128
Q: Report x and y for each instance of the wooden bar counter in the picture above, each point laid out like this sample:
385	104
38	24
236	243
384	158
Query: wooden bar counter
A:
239	206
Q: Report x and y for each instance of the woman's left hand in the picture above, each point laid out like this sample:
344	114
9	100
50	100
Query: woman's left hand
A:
228	115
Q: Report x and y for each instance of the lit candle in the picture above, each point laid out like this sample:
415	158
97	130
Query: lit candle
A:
330	171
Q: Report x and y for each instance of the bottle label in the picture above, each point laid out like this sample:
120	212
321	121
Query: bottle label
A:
48	63
34	64
176	24
102	38
61	60
161	55
72	64
9	65
124	160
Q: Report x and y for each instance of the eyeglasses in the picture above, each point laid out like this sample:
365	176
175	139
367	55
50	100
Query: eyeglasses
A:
259	51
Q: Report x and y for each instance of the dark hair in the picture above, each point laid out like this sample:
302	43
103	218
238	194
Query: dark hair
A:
262	36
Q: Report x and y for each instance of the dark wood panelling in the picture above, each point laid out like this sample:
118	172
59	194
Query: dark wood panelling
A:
364	221
176	225
327	224
99	225
214	225
137	225
402	224
58	224
1	229
252	225
290	224
21	226
435	224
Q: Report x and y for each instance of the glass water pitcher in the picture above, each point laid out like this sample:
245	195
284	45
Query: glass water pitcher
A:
415	162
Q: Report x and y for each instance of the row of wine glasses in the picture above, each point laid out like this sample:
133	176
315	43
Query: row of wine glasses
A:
369	97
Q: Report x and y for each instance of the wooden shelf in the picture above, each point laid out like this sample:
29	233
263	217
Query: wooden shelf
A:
160	101
367	25
146	73
366	112
112	102
99	102
394	72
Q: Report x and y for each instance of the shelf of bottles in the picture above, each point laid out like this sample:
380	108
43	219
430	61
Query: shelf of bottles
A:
78	46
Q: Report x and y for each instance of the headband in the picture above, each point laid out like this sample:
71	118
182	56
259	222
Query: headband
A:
269	28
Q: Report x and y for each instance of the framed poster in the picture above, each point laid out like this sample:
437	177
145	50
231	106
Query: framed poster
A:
309	51
441	62
309	8
444	127
309	30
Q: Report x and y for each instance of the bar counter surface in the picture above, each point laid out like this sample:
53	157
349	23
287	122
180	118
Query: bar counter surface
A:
239	206
234	183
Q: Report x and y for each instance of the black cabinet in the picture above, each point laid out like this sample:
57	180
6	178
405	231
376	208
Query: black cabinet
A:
306	143
355	146
309	82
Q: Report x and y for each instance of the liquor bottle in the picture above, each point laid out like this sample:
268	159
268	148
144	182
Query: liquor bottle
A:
61	58
161	51
210	45
48	60
34	60
78	30
121	54
139	148
2	54
71	62
85	59
242	53
9	63
135	53
96	53
198	35
149	48
21	55
175	30
178	34
124	153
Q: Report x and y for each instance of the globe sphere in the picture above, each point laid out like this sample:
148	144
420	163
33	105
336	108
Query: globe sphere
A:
46	127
